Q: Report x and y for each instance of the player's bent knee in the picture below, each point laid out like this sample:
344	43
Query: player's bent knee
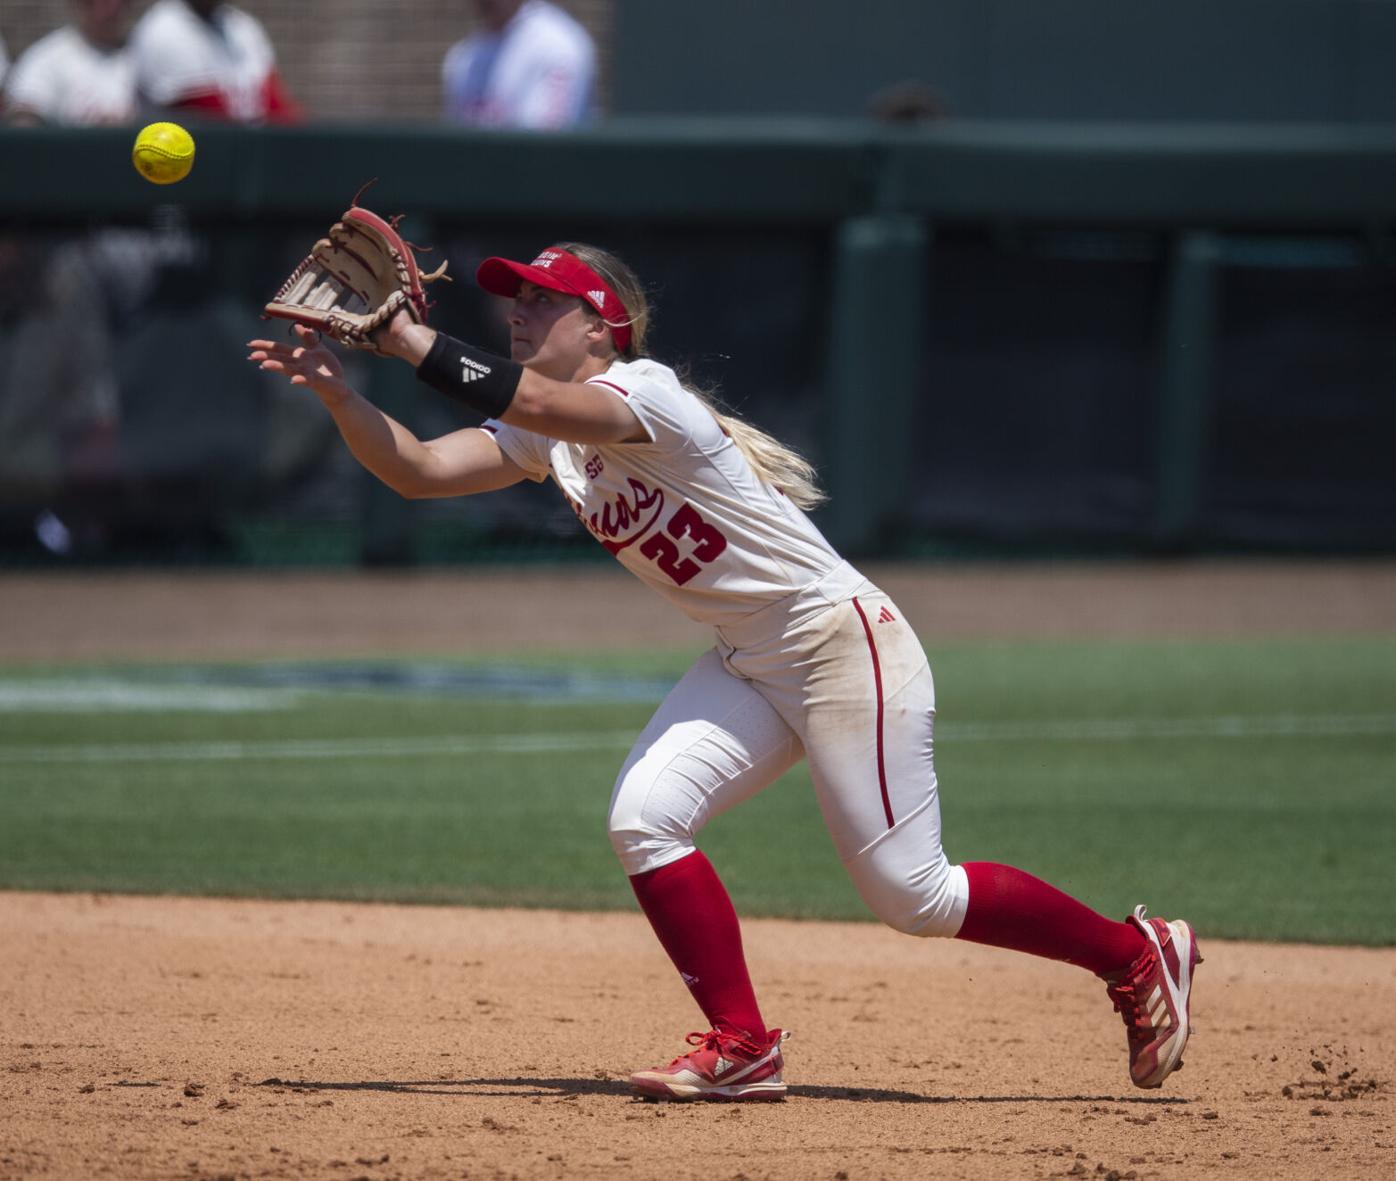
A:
645	838
933	907
654	816
906	881
641	850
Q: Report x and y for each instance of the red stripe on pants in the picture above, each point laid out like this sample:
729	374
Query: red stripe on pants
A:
877	688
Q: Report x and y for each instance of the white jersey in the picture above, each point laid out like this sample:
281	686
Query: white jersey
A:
683	511
182	58
539	73
64	78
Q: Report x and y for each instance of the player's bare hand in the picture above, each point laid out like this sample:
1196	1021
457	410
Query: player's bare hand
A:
308	362
405	338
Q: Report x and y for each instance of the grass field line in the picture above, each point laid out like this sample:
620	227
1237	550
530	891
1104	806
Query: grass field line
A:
1130	729
111	696
318	748
1067	730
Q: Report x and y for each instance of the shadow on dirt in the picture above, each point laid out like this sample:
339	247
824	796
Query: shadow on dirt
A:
572	1087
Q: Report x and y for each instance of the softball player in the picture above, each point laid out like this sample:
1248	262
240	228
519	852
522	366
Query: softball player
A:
810	660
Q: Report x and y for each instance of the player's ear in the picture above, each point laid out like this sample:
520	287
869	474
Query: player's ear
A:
598	331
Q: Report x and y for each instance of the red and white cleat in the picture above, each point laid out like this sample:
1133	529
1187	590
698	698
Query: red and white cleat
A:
724	1068
1154	997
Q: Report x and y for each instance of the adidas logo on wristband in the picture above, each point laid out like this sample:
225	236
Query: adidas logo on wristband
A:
484	382
473	370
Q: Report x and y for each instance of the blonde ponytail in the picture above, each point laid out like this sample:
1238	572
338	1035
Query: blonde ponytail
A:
773	462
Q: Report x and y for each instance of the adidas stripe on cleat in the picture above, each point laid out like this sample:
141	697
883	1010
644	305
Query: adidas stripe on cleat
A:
723	1067
1154	997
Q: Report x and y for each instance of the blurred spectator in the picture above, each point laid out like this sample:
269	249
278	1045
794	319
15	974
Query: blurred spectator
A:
78	74
907	102
59	407
78	378
530	65
207	58
59	404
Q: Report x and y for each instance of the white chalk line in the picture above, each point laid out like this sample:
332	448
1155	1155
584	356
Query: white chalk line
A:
92	695
1130	729
1081	730
323	748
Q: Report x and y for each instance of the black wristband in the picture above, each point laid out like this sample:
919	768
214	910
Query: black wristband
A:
483	381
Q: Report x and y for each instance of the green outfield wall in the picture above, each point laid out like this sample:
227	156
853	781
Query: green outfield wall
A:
833	267
1226	60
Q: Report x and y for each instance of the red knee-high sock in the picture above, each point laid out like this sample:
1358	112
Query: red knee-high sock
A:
688	907
1013	909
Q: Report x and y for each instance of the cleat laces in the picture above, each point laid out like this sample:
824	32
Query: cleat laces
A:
1124	994
717	1041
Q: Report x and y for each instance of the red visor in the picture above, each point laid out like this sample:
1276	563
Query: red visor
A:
557	270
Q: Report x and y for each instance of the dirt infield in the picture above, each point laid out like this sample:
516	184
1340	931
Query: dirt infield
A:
181	1038
140	616
162	1038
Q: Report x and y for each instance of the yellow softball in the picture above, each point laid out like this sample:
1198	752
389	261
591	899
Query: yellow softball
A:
163	153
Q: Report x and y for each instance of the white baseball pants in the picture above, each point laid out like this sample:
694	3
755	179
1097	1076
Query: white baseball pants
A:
844	683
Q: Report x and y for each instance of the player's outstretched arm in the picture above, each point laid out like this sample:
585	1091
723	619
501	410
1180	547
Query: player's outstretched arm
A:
571	410
458	464
498	388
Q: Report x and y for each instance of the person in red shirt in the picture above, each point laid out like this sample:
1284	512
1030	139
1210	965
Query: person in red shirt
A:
211	59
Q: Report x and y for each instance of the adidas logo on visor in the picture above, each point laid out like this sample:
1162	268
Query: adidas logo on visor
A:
598	298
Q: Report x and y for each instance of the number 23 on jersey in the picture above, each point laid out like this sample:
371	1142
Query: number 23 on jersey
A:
661	547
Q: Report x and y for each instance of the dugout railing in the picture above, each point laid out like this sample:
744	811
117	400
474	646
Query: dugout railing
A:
881	195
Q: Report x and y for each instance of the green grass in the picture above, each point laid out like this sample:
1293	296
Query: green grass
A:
1285	830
